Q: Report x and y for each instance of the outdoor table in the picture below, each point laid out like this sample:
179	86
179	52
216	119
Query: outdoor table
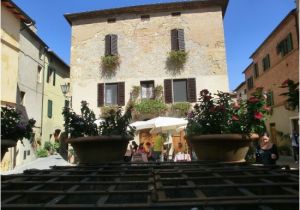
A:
154	185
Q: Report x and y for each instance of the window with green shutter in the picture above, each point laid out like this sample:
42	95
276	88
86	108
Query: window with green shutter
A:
270	98
266	62
255	70
50	105
285	46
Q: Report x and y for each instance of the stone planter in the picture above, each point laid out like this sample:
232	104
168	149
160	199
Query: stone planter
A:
221	147
5	144
99	149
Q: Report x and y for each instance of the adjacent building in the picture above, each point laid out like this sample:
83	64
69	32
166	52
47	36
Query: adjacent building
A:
28	65
273	62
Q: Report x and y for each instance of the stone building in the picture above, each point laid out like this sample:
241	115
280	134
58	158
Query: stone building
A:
142	36
274	61
241	91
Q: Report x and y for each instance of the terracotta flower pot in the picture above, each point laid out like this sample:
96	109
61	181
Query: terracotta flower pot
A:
99	149
221	147
5	144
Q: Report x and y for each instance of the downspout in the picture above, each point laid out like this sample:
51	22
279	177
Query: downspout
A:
43	86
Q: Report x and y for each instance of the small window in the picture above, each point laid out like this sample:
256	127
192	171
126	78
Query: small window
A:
54	76
176	13
49	74
180	90
285	46
147	89
41	51
111	94
22	98
250	83
39	75
111	20
111	44
145	17
24	155
266	62
28	152
177	40
255	70
245	91
50	105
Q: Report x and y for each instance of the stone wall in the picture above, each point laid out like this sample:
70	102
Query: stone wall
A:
143	46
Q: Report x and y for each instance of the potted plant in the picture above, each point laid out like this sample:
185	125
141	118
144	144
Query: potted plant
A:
13	128
98	144
176	61
221	129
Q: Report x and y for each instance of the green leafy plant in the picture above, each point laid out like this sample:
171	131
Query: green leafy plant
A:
150	106
12	125
176	60
83	125
180	109
292	94
158	92
105	110
110	62
135	92
48	146
41	153
221	114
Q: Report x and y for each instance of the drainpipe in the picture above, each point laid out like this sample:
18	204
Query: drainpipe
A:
43	86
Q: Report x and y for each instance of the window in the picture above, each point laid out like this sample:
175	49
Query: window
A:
176	13
111	94
41	50
50	104
270	98
49	74
285	46
266	62
177	40
39	75
250	83
145	17
111	20
54	77
180	90
111	44
147	89
22	98
255	70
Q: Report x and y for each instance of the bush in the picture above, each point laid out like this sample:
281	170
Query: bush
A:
110	62
180	109
150	106
48	146
41	153
176	60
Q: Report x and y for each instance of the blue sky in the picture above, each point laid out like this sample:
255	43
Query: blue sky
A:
246	24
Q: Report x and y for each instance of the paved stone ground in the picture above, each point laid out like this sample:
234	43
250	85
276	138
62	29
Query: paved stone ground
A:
45	163
40	163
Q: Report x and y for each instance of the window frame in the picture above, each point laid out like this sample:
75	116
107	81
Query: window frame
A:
145	83
105	94
186	89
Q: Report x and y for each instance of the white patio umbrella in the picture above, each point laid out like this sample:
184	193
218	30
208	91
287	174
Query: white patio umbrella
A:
167	124
140	125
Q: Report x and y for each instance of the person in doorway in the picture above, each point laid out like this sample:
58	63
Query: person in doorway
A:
295	144
266	151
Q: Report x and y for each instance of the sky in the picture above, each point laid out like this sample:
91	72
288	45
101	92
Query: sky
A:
247	23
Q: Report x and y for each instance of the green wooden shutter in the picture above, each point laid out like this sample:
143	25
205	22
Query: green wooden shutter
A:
50	105
181	44
114	44
100	94
168	91
191	90
174	40
289	43
121	93
107	45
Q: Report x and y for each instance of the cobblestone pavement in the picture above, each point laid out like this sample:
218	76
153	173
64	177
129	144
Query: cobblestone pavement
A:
287	160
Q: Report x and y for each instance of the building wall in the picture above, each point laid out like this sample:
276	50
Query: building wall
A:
53	93
10	27
143	47
30	83
282	68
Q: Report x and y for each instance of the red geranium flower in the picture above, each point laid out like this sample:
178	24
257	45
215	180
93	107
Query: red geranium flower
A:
258	115
235	118
267	108
253	99
236	105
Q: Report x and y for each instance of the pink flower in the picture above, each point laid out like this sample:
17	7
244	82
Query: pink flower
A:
258	115
235	118
204	92
286	82
212	109
267	108
206	98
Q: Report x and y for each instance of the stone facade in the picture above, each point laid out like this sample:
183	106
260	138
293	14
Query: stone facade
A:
281	68
143	46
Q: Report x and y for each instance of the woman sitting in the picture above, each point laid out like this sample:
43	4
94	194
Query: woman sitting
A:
266	151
